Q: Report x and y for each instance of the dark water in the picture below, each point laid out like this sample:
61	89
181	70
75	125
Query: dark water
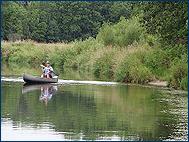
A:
91	112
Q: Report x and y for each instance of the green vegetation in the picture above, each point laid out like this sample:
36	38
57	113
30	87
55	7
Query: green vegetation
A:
59	21
137	47
123	33
67	21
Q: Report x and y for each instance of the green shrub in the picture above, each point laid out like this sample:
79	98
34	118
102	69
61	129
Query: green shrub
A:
128	31
106	34
74	56
55	58
29	53
152	40
88	44
176	51
157	61
184	83
103	67
179	74
83	61
140	74
131	70
67	57
122	34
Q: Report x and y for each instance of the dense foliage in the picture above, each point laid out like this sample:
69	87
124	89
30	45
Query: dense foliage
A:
168	19
59	21
67	21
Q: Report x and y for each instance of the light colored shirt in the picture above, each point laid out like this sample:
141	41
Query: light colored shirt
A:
48	70
51	69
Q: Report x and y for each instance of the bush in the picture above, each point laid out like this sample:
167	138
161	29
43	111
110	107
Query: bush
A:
106	34
176	51
103	67
157	61
30	52
74	56
152	40
179	75
131	70
84	61
184	83
67	58
122	34
55	58
88	44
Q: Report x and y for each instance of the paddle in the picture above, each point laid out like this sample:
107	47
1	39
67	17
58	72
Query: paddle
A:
55	73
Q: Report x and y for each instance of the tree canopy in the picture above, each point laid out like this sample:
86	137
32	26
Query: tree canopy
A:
69	21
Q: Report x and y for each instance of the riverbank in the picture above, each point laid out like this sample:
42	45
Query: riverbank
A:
159	83
134	64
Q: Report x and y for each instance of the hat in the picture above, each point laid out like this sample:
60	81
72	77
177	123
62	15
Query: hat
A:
47	62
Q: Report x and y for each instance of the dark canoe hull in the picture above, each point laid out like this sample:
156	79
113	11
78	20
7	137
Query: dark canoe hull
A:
38	80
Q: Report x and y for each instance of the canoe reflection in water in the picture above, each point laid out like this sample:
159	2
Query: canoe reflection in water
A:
47	91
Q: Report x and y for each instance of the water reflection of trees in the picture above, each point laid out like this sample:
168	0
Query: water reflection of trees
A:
23	106
130	113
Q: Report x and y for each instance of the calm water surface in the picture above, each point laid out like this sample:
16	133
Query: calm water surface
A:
91	112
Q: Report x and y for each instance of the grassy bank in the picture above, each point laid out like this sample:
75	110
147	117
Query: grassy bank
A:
122	52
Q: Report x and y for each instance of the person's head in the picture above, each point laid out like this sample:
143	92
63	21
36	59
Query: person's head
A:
48	63
43	63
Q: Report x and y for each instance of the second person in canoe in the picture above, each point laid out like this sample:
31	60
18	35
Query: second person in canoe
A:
47	70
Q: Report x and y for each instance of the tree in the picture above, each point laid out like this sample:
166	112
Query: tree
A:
168	19
39	32
14	16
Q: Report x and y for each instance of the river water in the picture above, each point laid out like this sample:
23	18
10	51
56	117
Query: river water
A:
91	110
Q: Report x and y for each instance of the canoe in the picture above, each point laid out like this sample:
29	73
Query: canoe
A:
39	80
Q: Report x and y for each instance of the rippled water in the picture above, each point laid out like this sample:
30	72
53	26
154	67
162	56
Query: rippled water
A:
91	111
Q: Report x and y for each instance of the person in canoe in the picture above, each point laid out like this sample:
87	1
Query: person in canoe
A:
50	70
47	70
43	65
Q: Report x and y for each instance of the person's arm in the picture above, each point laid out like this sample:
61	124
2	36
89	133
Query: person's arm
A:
51	69
42	66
